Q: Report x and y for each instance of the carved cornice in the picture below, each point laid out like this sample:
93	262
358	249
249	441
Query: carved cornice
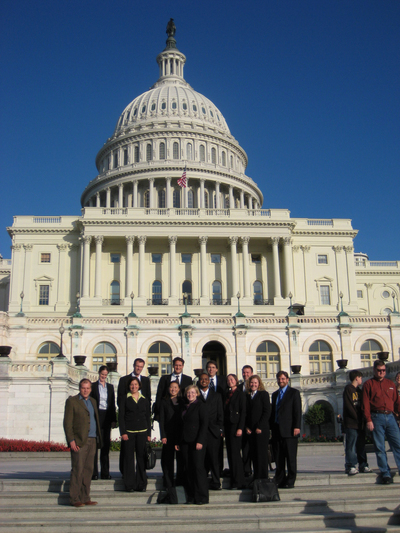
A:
275	241
63	247
332	233
337	249
185	222
28	247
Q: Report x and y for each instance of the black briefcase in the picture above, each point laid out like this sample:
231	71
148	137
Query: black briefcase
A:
265	490
150	457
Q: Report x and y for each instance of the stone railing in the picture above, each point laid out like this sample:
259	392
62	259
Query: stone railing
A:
36	368
317	320
104	321
214	321
56	321
151	321
369	319
266	320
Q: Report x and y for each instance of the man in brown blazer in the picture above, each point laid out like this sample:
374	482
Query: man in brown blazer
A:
81	426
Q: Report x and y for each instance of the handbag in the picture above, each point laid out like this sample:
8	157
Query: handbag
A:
150	457
265	490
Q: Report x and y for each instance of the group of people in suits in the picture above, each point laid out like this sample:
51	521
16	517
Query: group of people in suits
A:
193	420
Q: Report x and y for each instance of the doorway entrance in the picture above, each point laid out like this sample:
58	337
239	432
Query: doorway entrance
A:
215	351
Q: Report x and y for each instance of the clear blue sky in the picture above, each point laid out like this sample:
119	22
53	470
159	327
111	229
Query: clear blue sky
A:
310	89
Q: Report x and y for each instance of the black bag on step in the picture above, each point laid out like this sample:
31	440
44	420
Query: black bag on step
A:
265	490
172	496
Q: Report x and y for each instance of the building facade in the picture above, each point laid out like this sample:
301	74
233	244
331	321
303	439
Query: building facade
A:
154	269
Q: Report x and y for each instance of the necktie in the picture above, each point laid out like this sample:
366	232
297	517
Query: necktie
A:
278	403
212	385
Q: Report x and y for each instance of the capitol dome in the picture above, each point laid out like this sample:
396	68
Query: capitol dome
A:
160	133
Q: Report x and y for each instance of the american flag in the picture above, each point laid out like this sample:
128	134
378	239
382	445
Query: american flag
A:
182	180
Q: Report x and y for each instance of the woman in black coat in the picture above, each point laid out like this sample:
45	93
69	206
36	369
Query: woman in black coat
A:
170	421
234	420
258	411
135	429
104	395
192	444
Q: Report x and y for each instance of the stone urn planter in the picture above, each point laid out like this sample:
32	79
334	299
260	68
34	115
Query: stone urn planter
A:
79	360
112	367
342	363
383	356
198	371
5	351
152	370
295	369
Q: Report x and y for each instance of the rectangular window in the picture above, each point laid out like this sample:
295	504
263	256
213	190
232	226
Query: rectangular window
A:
186	258
255	258
215	258
325	296
322	259
156	258
115	258
44	291
45	257
359	294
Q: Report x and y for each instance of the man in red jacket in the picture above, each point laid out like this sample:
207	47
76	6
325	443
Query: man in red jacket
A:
380	402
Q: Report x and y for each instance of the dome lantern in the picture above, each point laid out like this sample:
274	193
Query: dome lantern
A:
171	60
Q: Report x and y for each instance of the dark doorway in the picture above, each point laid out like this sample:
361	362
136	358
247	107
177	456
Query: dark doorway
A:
215	350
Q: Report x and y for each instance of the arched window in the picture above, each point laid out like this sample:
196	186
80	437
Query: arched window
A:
125	156
175	151
258	293
231	161
202	153
206	199
217	293
161	198
115	293
189	151
156	292
187	288
160	356
162	150
174	105
47	351
115	164
190	198
176	198
213	155
136	153
146	198
268	359
368	352
320	358
149	152
224	159
103	353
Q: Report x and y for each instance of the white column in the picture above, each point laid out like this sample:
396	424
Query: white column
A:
97	199
288	265
16	273
202	181
151	192
217	195
250	202
172	265
246	274
135	194
86	265
185	192
241	199
129	265
108	197
231	198
277	277
99	239
203	265
62	278
142	241
168	202
235	286
121	195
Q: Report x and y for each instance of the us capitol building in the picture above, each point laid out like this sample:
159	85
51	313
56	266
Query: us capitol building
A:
154	269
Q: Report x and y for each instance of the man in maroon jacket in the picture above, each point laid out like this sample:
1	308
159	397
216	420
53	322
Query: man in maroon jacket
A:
380	402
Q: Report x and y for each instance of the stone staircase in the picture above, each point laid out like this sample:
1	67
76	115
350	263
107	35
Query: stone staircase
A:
319	502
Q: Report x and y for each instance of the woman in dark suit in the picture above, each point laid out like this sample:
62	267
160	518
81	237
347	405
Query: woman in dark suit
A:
258	411
192	444
104	395
135	429
234	420
170	423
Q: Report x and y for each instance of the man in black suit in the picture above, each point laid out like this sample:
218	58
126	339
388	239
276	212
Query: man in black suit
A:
163	385
217	383
103	394
138	366
213	403
285	424
247	372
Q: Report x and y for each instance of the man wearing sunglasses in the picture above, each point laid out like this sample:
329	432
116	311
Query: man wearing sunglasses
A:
380	402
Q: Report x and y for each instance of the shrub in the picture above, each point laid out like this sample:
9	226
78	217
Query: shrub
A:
20	445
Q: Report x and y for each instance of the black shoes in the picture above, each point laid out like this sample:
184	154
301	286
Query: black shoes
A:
387	480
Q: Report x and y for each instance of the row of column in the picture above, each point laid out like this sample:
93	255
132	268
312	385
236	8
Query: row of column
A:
204	291
245	200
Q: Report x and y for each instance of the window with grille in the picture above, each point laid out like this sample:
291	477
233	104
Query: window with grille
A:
159	356
368	352
267	359
325	295
44	294
320	358
103	353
